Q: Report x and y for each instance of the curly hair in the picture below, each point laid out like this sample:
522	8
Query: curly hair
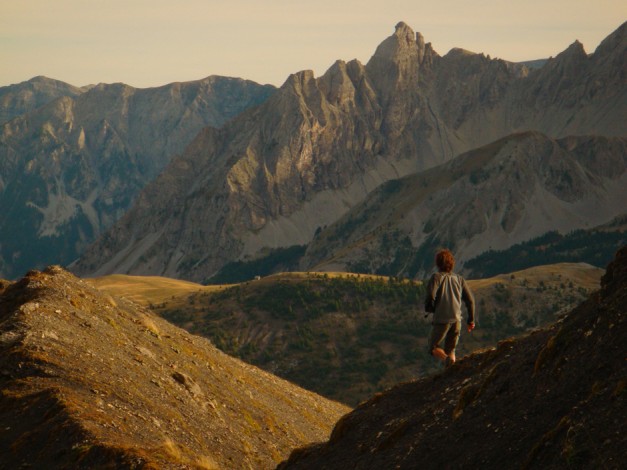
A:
444	260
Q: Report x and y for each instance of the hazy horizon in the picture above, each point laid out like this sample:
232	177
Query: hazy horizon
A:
151	43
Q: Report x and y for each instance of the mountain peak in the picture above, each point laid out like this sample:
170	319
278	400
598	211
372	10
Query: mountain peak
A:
570	61
401	44
576	48
575	52
459	52
397	59
299	78
23	97
402	29
42	79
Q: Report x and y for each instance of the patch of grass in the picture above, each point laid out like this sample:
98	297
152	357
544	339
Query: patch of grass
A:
251	421
150	325
172	451
205	462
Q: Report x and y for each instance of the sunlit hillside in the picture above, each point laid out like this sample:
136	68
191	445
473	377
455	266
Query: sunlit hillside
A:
347	336
94	381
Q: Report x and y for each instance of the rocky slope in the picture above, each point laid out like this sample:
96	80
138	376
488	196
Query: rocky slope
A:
553	399
91	381
501	194
347	337
314	150
24	97
72	167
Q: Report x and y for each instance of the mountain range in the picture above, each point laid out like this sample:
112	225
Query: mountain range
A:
279	174
369	167
72	160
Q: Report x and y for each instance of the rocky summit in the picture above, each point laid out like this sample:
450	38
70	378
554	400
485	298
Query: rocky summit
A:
273	177
27	96
92	381
552	399
72	163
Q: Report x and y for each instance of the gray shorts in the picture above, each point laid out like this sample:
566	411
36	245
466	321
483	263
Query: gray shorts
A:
447	332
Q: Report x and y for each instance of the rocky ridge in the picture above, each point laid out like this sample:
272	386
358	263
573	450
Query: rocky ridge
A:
93	381
70	168
27	96
314	150
552	399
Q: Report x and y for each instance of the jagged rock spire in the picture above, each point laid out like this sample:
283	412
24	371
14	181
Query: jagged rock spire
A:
397	59
401	46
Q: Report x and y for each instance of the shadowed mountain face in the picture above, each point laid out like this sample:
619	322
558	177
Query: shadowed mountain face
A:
552	399
595	246
515	189
92	381
73	166
315	149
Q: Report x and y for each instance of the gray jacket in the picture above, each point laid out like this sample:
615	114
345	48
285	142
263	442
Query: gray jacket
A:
445	293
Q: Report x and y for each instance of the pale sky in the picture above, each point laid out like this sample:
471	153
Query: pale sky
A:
147	43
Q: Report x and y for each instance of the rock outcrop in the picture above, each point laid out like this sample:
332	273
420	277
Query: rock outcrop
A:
88	380
313	151
552	399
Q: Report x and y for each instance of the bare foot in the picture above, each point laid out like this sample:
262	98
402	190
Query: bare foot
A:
439	353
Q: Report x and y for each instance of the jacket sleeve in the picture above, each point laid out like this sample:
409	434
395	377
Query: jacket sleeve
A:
430	297
469	300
